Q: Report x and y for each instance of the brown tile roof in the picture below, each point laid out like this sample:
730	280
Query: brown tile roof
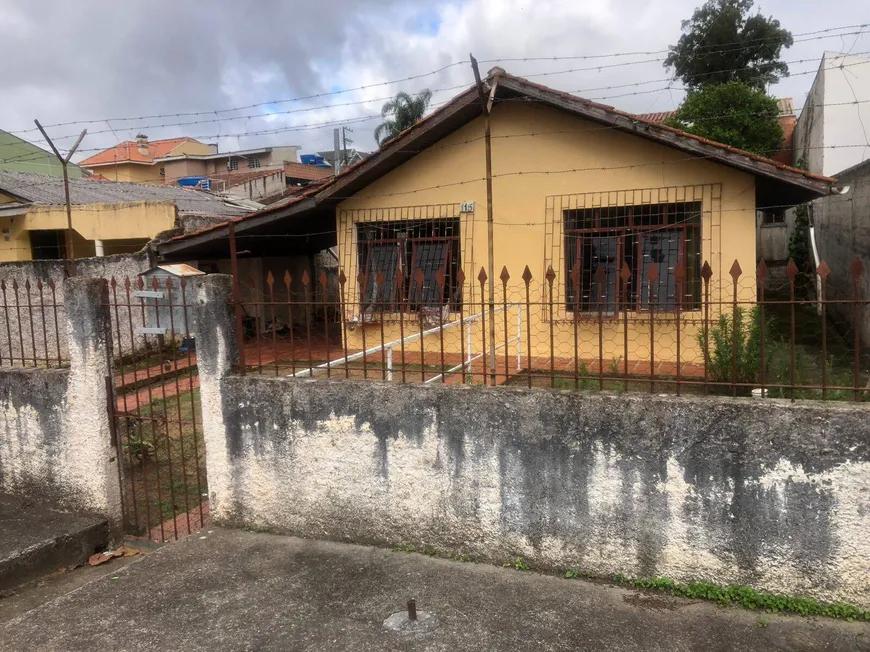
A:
499	77
306	172
661	116
238	178
128	151
788	122
786	153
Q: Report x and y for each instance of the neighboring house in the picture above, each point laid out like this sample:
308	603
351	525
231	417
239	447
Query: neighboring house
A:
842	233
17	154
107	217
577	186
255	185
832	136
136	161
833	131
212	164
167	161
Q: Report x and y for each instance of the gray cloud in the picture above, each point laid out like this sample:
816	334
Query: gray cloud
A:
68	61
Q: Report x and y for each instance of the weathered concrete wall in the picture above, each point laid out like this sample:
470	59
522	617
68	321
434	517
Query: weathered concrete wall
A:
843	232
769	494
55	441
35	333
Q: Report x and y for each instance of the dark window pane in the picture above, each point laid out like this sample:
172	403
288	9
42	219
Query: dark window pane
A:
430	257
662	250
382	258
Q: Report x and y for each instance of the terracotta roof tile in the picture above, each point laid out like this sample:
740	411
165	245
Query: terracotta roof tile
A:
238	178
128	151
447	105
306	172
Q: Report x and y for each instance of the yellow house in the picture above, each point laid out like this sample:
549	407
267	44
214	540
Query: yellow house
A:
107	217
617	219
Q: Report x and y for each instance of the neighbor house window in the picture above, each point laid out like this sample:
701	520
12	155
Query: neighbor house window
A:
397	250
162	172
253	161
639	237
232	164
773	216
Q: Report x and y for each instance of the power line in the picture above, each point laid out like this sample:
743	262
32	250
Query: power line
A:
287	129
718	49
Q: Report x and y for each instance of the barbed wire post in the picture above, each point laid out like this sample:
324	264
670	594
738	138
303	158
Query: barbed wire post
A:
64	161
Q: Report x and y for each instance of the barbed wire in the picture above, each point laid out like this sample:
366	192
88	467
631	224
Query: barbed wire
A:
718	48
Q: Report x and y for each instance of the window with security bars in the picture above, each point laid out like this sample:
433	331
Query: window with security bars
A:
641	236
393	252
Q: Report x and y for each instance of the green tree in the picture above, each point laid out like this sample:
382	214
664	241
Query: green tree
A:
400	113
723	43
732	113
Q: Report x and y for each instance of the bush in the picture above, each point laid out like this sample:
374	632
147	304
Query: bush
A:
725	363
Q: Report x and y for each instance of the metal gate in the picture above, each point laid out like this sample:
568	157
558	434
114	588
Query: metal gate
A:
154	405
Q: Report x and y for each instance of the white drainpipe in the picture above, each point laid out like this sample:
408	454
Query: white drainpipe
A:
98	248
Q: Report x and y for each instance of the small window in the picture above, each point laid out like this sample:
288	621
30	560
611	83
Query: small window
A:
232	164
162	172
773	216
254	162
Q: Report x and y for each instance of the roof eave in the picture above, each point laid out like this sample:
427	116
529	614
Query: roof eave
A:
85	164
629	123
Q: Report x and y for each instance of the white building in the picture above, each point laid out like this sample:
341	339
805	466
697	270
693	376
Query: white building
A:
833	130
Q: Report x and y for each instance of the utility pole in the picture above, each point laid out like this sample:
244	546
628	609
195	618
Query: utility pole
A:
336	144
70	253
345	141
487	141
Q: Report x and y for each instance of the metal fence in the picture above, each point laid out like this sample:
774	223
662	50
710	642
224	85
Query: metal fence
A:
707	335
33	332
155	407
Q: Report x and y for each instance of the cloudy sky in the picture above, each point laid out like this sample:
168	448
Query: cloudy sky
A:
238	69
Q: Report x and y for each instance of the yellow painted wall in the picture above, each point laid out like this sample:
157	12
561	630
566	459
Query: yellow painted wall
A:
14	245
131	225
190	147
107	221
452	171
130	172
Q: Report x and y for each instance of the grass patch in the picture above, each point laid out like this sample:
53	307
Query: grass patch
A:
744	596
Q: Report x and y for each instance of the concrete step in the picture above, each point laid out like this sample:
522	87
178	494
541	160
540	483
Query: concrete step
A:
35	541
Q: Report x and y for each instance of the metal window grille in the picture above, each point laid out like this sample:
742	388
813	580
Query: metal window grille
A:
403	262
601	242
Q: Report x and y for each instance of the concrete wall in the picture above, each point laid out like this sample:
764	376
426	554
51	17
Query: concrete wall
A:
55	441
258	188
832	123
770	494
45	341
843	232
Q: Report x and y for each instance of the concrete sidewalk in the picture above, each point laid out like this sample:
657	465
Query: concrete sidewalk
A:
234	590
